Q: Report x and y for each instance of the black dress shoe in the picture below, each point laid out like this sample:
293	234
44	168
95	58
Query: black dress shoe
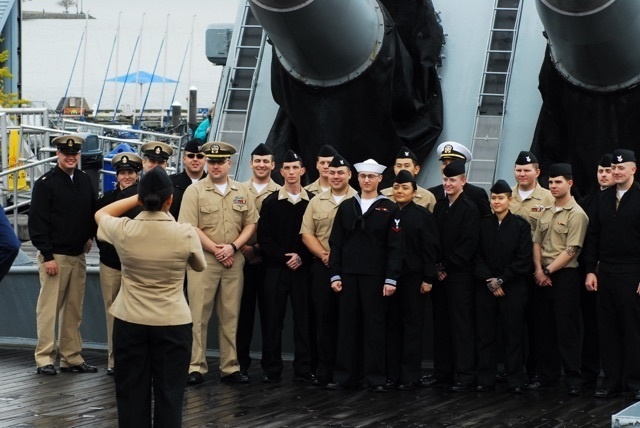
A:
48	370
536	385
80	368
406	386
378	388
320	381
335	386
111	371
235	377
304	377
574	390
484	388
460	387
606	393
195	378
515	390
501	377
270	378
430	382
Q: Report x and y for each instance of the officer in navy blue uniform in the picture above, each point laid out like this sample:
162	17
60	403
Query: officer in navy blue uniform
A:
451	151
590	344
193	162
453	294
62	228
365	262
421	245
613	248
127	167
502	265
287	263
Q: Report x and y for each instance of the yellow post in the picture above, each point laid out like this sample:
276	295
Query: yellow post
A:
14	153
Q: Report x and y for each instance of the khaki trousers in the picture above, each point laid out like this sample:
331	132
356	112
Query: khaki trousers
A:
61	297
110	281
221	287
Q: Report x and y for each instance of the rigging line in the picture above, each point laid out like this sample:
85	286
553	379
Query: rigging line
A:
124	84
66	92
104	82
153	76
115	110
184	57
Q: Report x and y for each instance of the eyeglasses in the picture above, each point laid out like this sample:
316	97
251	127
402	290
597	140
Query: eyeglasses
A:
195	155
368	176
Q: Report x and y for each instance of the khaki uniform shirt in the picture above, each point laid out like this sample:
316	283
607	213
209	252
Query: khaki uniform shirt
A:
154	251
558	230
314	187
258	198
422	197
220	217
531	208
319	215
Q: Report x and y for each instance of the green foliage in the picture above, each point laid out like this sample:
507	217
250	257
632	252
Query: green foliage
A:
10	99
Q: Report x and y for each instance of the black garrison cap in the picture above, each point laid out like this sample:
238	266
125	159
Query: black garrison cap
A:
560	169
623	155
455	168
525	158
499	187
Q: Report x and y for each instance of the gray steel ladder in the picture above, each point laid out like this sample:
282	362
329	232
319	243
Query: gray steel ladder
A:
240	82
493	93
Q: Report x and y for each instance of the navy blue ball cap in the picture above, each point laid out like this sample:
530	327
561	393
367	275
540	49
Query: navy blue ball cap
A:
500	186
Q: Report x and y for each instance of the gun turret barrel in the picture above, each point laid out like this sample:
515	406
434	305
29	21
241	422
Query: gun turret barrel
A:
594	43
323	42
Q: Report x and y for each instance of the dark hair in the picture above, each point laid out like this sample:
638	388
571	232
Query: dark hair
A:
155	201
154	189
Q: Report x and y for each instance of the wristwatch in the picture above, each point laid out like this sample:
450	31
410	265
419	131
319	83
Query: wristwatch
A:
500	281
546	271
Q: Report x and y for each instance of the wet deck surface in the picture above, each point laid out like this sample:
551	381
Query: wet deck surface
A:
88	400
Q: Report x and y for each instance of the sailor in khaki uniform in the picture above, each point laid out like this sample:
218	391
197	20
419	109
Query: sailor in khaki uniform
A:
260	185
152	327
225	217
325	155
558	238
529	197
155	153
529	201
315	230
408	161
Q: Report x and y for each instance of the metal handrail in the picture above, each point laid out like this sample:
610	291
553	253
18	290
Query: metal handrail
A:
15	170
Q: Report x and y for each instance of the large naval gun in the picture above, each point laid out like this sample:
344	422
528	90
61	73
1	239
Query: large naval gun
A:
589	83
359	75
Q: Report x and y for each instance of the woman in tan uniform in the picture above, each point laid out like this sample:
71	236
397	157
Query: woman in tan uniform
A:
152	329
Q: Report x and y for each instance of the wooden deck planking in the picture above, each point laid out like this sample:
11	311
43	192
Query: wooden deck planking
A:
88	400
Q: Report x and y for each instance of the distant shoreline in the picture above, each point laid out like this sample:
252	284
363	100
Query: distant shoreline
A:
54	15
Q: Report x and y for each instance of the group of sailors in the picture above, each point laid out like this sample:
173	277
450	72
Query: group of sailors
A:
530	264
